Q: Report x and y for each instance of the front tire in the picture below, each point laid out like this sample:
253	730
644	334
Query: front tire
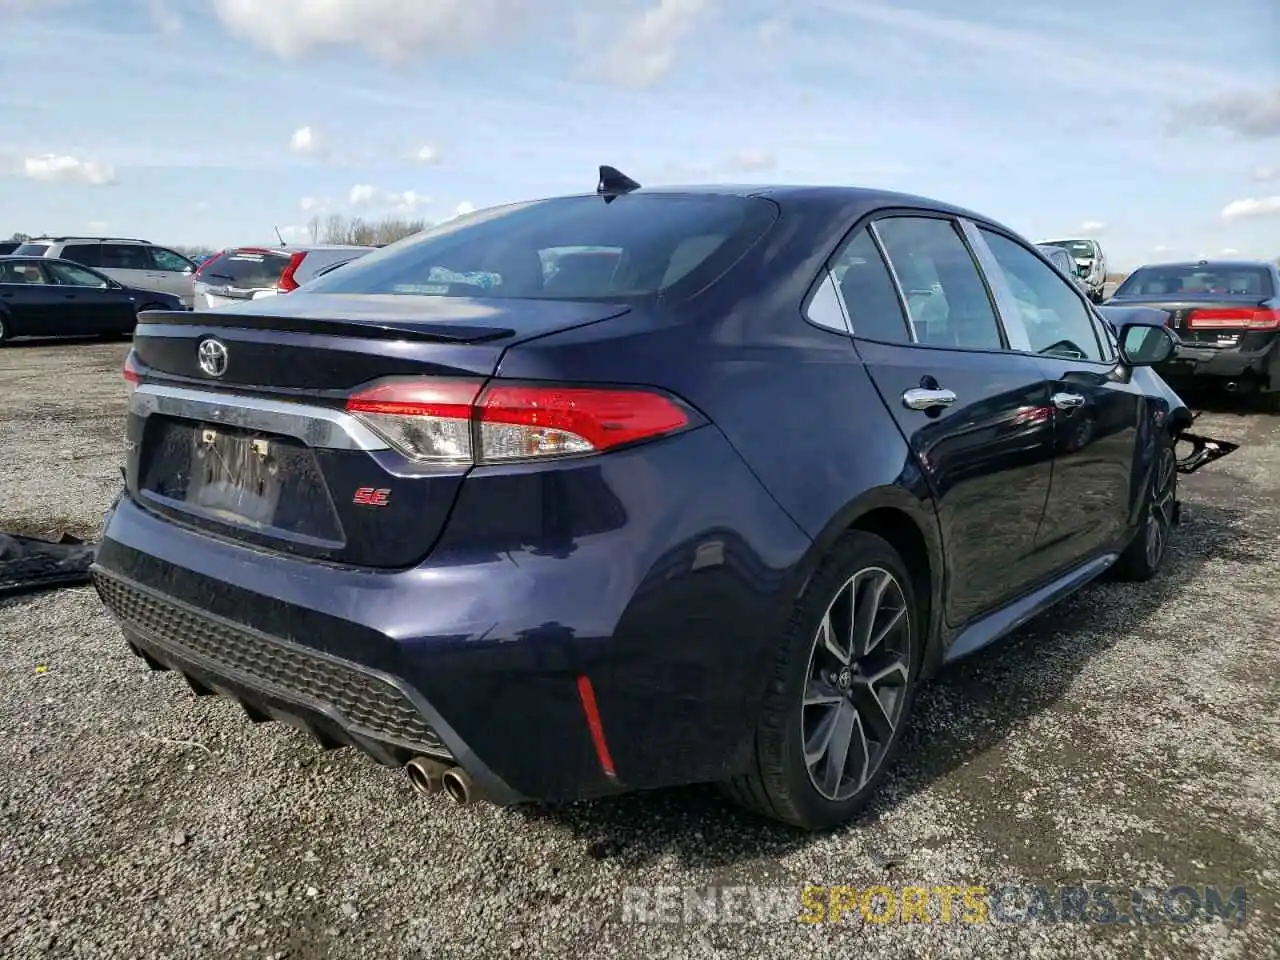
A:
841	691
1143	557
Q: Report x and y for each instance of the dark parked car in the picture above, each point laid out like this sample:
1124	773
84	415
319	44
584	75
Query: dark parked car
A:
1227	313
708	511
44	297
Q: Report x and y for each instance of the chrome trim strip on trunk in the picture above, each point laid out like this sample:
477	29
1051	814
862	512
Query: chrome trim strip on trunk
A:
322	427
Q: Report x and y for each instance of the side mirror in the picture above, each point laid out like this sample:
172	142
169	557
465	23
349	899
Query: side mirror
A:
1142	345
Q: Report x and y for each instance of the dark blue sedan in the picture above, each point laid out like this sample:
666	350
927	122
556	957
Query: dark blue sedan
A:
635	488
47	297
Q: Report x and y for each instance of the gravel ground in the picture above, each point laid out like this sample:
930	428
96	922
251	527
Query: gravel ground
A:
1131	737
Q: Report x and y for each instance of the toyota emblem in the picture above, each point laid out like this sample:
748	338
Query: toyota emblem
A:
212	356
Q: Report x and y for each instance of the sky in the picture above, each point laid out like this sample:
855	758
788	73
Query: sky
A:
1150	124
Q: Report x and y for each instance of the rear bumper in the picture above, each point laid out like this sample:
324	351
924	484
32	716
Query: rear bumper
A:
476	656
1209	363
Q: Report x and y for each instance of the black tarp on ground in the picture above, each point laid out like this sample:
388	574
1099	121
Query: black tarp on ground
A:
28	563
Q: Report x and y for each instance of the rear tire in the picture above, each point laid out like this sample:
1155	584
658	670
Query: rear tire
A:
841	690
1141	560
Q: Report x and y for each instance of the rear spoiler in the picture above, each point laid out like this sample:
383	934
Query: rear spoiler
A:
337	326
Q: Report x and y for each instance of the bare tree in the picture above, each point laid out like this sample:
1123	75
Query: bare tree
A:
336	228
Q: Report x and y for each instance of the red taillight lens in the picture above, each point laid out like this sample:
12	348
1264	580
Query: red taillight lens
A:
453	421
132	375
287	281
1234	318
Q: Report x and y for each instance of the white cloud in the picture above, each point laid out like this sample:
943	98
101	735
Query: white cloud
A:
388	29
1263	174
310	203
428	154
1228	252
641	51
1252	207
465	207
165	18
402	203
56	168
1092	228
773	31
304	140
752	161
1160	249
407	201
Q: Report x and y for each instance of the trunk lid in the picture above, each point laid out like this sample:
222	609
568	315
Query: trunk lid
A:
264	452
1204	321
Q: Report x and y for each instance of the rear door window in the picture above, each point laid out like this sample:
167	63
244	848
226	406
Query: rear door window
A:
12	271
869	295
948	304
636	246
124	256
86	254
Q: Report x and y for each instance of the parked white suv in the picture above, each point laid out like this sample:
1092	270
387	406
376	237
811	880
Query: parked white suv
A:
249	273
139	264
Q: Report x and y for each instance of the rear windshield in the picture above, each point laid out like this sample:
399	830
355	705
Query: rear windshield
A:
1198	280
575	248
246	269
31	250
1083	249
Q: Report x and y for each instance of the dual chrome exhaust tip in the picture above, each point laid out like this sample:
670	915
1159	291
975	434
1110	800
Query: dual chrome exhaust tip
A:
429	776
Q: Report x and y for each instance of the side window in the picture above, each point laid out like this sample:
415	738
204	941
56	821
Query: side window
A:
824	306
169	261
85	253
1057	321
68	276
868	291
947	302
125	256
18	272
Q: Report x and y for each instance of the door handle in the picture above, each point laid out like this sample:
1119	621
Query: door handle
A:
918	398
1067	401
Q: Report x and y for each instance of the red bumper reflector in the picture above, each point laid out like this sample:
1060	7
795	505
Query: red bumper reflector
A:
587	694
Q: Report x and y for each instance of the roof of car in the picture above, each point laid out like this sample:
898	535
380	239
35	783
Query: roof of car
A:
867	197
1216	264
293	247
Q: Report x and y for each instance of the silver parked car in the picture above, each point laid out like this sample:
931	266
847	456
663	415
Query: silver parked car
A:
248	273
139	264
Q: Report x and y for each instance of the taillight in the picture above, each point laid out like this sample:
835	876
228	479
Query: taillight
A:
456	422
286	281
132	375
1235	318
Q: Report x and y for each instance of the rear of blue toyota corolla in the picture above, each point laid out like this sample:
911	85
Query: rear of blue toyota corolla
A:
454	506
